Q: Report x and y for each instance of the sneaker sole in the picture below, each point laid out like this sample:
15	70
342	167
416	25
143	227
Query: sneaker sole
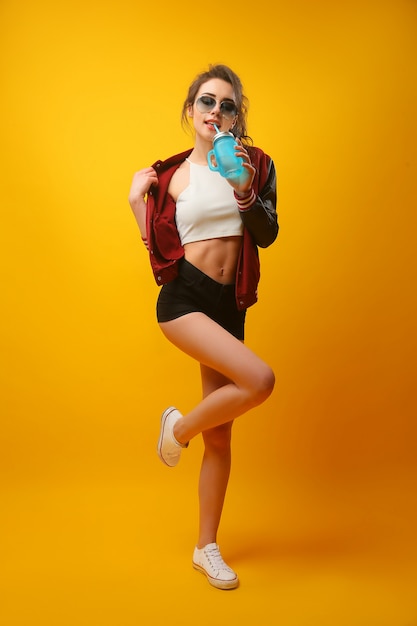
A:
215	582
164	418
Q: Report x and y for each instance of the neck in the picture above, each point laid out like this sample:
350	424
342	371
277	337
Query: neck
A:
199	159
200	151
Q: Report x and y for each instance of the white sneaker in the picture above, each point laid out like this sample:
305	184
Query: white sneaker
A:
209	561
169	449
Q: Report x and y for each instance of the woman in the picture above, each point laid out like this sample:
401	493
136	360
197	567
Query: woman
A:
202	232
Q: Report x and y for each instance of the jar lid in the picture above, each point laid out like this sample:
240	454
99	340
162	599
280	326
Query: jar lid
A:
223	134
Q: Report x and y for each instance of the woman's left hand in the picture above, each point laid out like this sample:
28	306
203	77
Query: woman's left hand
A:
243	184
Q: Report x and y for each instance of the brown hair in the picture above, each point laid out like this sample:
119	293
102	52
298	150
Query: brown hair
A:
224	73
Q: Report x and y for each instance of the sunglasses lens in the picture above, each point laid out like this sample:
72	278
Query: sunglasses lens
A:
205	104
228	110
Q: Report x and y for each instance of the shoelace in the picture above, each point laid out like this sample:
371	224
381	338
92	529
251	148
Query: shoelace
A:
216	560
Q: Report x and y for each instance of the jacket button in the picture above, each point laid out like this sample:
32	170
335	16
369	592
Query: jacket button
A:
241	302
159	278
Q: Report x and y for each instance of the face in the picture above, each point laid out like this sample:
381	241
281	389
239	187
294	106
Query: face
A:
214	104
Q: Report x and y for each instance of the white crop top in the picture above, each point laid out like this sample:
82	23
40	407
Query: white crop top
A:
207	208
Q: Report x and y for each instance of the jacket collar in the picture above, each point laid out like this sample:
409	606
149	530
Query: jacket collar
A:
162	166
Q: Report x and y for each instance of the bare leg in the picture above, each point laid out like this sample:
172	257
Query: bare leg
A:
251	380
215	467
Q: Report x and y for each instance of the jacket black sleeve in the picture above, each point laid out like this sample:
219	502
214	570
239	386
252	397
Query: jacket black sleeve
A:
261	218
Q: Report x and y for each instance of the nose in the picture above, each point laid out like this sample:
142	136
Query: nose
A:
216	107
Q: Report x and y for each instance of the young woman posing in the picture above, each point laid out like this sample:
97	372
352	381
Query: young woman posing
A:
203	233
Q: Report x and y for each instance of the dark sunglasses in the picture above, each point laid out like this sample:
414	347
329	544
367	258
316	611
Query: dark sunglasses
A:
205	104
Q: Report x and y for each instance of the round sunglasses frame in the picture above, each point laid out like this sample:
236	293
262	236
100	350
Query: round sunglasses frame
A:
228	109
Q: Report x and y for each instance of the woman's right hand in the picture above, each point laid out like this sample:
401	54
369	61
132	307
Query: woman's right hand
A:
141	183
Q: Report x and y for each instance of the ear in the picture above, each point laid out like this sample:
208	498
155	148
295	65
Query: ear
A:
190	110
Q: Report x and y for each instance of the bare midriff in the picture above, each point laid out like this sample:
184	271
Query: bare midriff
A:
215	257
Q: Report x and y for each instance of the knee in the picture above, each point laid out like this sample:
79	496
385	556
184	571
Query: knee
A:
217	440
263	385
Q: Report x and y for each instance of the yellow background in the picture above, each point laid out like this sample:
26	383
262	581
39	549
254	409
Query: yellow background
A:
321	513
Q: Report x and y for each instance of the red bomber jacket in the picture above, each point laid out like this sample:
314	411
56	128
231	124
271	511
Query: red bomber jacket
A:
260	222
